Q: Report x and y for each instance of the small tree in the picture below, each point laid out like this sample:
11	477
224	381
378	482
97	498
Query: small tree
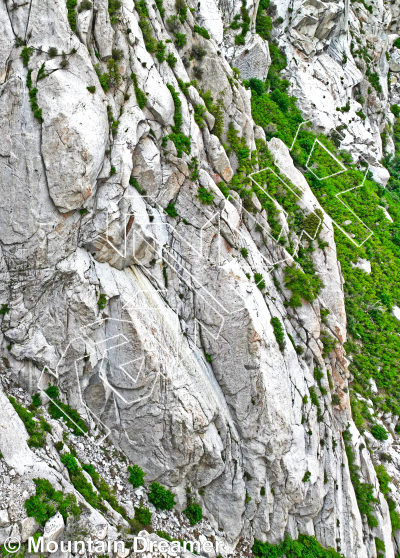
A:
143	515
194	513
160	497
136	476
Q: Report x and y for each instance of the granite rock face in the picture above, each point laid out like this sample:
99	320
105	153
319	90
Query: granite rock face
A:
334	50
152	325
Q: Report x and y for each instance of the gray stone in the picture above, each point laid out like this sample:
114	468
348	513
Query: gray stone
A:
253	59
53	528
4	518
29	526
4	534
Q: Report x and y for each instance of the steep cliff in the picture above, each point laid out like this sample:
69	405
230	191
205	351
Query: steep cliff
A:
170	257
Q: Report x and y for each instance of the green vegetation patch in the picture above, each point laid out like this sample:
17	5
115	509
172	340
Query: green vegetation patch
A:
35	426
136	476
160	497
304	547
364	491
59	410
47	501
194	513
71	5
278	332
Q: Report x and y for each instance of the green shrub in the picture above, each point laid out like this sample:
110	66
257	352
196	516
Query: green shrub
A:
36	401
4	310
216	109
164	535
79	480
194	167
260	281
194	513
37	113
140	96
59	445
364	491
312	224
182	142
52	52
135	526
383	478
91	88
278	332
171	210
117	54
307	476
47	501
143	515
180	39
395	109
374	81
305	547
197	52
85	5
113	7
244	252
199	112
397	43
380	546
101	303
379	432
71	5
52	392
298	348
136	476
36	430
181	8
256	85
263	21
201	31
26	53
105	491
303	286
160	497
336	399
205	196
171	60
59	410
70	462
113	76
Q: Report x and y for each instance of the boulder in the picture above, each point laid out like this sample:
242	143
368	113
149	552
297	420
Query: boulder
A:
396	312
219	159
4	518
380	175
103	32
253	59
4	534
363	264
29	526
53	528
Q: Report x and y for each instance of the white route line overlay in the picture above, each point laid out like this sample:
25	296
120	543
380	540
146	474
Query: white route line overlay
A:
339	193
312	210
92	350
161	249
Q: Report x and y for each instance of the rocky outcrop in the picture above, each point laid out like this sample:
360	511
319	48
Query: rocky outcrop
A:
332	51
